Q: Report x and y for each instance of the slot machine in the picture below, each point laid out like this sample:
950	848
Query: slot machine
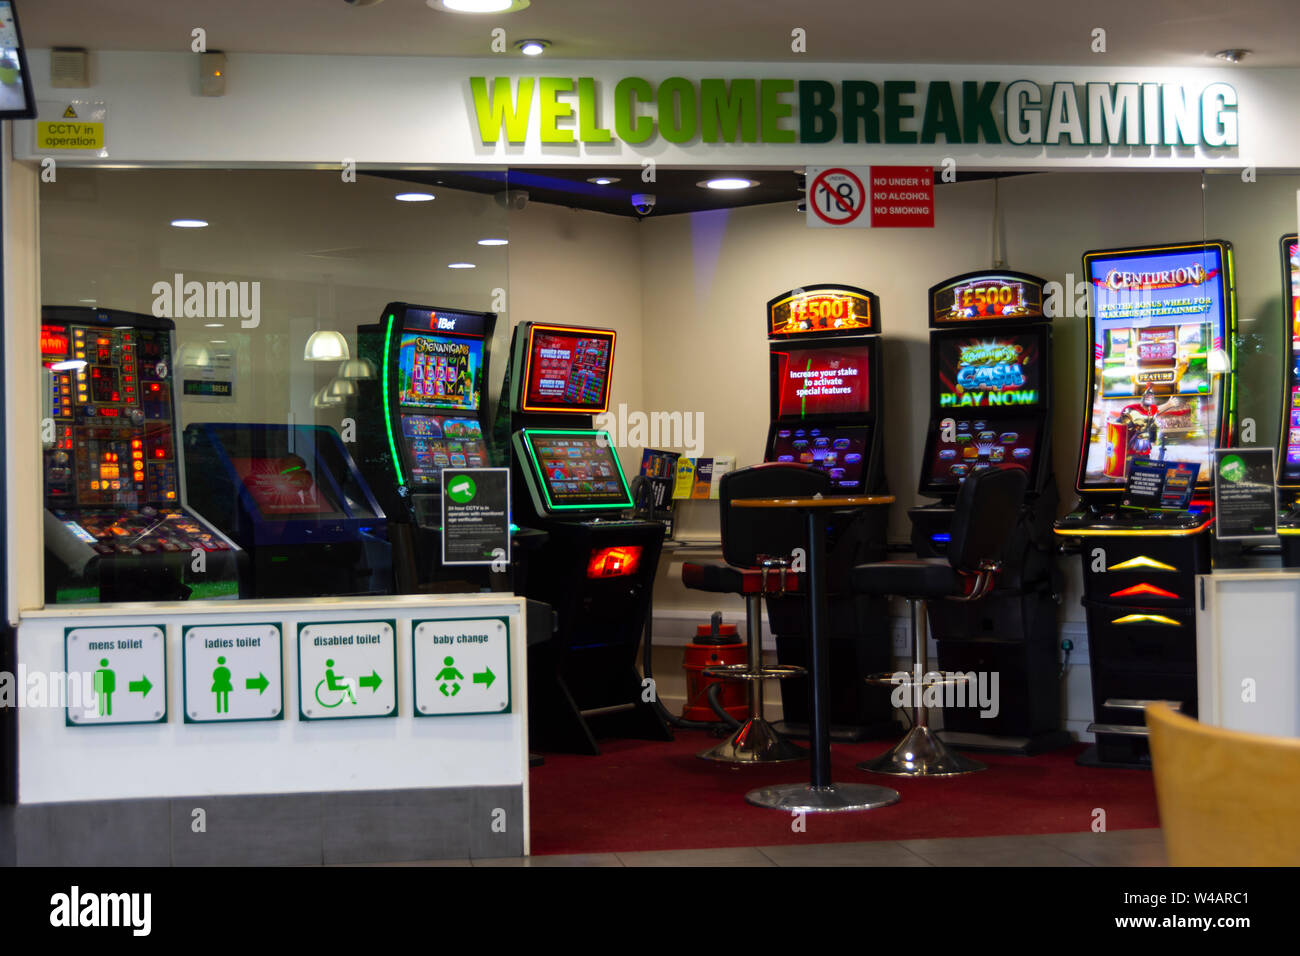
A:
1288	465
990	407
424	411
1161	386
825	388
596	567
117	522
293	499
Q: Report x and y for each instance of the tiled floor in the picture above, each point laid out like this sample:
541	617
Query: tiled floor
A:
1116	848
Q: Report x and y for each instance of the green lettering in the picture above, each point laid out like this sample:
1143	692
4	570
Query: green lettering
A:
722	110
553	110
861	98
630	127
588	108
774	110
817	123
502	110
977	111
896	111
677	111
940	114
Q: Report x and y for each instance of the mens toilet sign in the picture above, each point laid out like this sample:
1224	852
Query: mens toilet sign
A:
128	670
461	666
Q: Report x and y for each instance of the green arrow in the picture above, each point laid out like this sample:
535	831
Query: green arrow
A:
141	686
373	681
487	677
258	683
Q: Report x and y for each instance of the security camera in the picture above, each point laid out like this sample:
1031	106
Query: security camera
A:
515	199
362	3
643	203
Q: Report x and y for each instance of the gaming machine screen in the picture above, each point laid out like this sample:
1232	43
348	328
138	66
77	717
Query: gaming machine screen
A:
579	468
435	442
988	371
284	486
840	452
1160	319
440	371
567	369
1291	276
821	382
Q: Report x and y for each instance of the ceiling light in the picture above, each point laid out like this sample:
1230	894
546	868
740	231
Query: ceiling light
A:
326	345
728	182
214	325
190	223
1232	56
603	180
357	368
414	197
323	399
461	265
341	388
91	301
478	6
533	47
494	242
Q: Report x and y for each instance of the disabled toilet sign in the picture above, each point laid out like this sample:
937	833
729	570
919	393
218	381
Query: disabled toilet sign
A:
232	672
122	672
347	669
462	666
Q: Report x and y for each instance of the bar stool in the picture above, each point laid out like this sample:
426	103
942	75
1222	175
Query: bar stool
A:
757	548
983	519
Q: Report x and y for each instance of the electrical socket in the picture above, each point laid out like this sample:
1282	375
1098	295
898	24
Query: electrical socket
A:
901	637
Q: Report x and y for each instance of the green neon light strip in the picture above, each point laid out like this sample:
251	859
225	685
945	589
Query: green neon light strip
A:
546	489
388	418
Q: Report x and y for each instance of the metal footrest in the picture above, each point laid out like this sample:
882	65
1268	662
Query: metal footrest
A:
1124	730
929	679
742	672
1124	703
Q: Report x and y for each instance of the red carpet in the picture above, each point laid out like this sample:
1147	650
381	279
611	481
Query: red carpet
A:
643	795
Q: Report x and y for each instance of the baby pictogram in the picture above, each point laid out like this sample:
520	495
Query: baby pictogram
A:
449	673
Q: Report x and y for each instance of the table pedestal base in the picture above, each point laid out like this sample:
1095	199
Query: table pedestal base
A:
755	741
836	798
921	754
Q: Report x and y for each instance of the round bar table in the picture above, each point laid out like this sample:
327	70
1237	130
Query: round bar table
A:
820	795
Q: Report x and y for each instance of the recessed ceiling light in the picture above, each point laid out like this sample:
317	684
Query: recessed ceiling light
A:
214	325
461	265
494	242
533	47
190	223
728	182
603	180
1232	56
414	197
91	301
478	6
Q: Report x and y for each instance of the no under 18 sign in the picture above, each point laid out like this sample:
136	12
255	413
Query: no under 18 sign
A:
863	197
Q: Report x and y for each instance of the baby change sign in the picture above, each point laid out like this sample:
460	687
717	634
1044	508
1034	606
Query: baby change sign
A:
461	666
233	672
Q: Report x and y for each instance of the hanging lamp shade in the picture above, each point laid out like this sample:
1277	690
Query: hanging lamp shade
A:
323	399
357	368
341	388
326	345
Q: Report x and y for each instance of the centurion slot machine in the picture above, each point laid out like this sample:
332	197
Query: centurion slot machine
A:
596	567
117	525
424	411
990	407
1161	388
1288	466
826	387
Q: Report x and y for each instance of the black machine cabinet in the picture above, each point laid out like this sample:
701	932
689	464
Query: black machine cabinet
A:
1288	461
825	377
593	566
1161	379
990	397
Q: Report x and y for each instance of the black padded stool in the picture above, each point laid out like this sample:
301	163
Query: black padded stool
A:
758	549
983	519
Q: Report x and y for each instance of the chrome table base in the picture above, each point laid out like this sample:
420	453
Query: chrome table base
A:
921	754
755	741
836	798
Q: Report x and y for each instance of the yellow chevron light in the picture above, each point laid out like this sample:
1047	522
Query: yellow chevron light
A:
1146	619
1141	561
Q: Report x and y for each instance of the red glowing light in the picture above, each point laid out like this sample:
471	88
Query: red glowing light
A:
1144	589
614	562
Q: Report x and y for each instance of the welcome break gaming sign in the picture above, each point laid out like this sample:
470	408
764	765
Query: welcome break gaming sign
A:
814	112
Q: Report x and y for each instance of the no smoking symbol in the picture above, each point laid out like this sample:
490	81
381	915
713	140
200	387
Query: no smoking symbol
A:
838	196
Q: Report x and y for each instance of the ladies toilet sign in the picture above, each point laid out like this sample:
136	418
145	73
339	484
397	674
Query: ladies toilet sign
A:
233	672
